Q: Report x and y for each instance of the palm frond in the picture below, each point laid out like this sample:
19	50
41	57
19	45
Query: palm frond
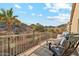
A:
3	12
10	12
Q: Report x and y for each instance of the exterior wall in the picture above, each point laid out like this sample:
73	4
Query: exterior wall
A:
75	21
67	27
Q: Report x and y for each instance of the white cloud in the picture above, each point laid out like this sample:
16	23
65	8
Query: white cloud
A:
51	17
52	10
61	6
40	15
17	6
47	5
64	16
60	18
30	7
33	14
54	7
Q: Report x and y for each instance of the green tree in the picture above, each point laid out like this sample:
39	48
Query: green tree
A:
33	26
38	27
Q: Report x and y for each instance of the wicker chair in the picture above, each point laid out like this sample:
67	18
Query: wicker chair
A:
70	45
73	44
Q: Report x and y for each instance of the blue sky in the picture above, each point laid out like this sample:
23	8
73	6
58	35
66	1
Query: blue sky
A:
44	13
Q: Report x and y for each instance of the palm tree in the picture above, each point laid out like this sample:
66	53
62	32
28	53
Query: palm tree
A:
8	17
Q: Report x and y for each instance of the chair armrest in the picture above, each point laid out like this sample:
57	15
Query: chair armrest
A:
60	46
54	46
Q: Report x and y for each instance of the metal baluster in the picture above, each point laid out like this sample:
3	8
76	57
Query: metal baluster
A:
33	36
16	45
12	46
2	47
5	46
21	44
24	43
9	45
13	43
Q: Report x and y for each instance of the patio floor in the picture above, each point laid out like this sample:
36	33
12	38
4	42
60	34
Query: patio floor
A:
42	50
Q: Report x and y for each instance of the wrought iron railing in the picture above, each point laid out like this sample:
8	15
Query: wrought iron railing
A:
11	45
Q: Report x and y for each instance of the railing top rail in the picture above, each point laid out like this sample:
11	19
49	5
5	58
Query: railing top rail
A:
17	35
14	35
74	34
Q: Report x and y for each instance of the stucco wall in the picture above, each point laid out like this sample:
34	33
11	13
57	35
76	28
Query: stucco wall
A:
75	25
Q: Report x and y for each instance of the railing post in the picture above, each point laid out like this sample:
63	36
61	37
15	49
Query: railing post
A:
17	45
47	36
41	37
9	46
33	36
24	43
13	45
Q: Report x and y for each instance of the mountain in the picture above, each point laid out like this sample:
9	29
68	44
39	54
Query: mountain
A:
62	25
49	26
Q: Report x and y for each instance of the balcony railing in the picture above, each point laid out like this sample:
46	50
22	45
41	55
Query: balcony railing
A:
11	45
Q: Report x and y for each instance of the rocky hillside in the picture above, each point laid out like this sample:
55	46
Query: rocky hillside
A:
21	28
62	25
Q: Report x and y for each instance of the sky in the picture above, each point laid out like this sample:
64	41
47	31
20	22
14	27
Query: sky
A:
47	14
